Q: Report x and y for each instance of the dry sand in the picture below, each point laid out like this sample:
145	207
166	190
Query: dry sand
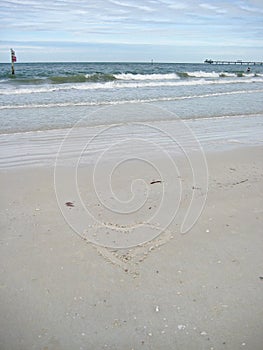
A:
199	290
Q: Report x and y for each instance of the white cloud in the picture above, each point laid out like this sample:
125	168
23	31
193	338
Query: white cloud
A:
131	5
208	6
251	9
154	22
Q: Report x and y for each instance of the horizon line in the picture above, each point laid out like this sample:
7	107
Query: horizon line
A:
149	62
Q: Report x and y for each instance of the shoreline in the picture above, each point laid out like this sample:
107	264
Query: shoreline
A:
198	290
98	125
40	148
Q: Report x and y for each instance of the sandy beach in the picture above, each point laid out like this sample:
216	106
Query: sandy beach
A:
131	175
198	290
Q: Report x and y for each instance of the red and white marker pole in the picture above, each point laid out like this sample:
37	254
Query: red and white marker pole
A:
13	59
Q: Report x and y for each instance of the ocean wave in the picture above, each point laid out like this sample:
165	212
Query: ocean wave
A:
181	75
18	81
99	80
143	77
81	78
202	74
99	77
67	79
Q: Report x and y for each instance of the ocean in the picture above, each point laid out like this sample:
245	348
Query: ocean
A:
222	104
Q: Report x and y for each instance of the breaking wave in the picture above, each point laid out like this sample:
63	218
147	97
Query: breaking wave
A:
115	83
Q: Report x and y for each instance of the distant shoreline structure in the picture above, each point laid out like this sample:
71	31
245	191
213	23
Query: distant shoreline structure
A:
249	63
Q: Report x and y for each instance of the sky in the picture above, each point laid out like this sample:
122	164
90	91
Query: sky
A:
131	30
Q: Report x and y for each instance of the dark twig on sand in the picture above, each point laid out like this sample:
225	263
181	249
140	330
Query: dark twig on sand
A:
69	204
156	182
240	182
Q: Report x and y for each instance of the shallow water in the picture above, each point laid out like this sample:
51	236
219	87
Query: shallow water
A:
88	145
46	96
219	106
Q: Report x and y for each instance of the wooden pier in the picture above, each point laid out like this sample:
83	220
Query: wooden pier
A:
247	63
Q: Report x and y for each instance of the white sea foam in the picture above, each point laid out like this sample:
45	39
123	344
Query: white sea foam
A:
202	74
126	84
143	77
119	102
175	76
